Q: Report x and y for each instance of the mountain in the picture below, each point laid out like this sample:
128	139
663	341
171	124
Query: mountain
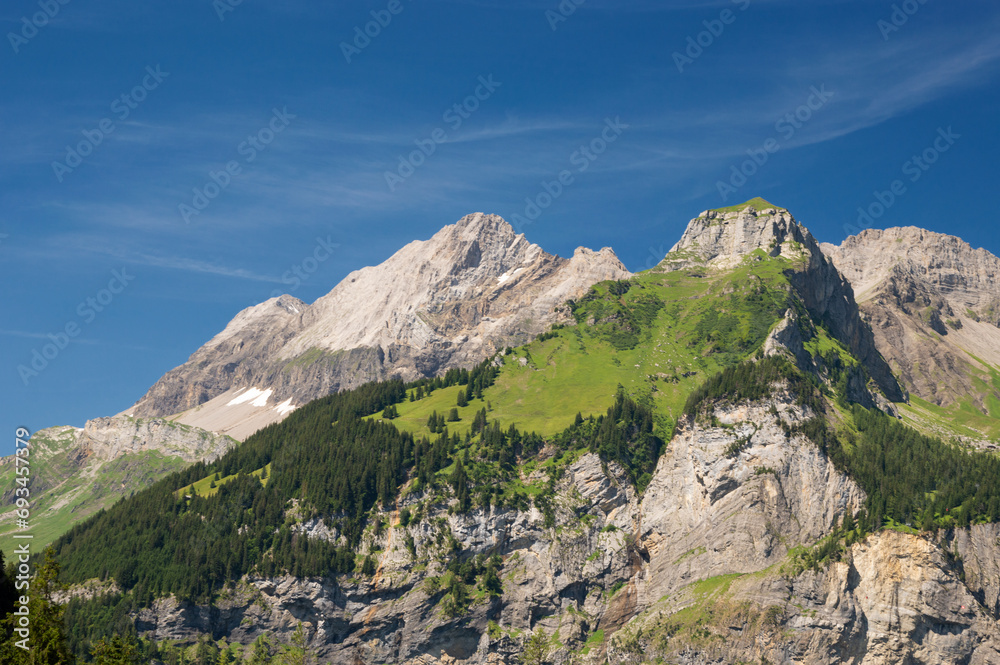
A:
700	463
474	288
933	303
721	239
78	471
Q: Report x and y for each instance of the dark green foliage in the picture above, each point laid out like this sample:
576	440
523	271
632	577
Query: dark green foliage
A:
491	581
368	567
916	479
736	326
390	412
619	312
89	620
550	334
463	400
7	591
754	380
117	651
453	415
332	461
47	641
624	435
460	484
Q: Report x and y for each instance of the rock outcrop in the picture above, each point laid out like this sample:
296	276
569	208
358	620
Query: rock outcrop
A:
605	560
450	301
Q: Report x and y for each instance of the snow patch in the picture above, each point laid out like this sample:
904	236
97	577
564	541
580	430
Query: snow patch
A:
262	400
507	275
255	396
285	407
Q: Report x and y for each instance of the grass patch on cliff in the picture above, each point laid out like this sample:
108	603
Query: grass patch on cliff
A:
757	203
210	484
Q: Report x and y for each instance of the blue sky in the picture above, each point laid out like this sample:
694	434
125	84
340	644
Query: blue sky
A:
833	104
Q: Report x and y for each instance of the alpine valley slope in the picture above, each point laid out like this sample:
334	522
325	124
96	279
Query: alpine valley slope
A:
934	305
76	472
666	511
472	289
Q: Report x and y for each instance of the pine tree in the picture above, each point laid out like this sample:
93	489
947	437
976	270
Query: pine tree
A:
47	642
295	653
453	416
261	654
536	651
491	581
119	651
463	400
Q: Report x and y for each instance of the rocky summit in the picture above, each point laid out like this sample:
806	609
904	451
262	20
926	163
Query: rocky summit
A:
723	239
472	289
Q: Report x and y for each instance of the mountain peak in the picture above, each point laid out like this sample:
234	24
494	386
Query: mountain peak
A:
757	203
721	238
452	300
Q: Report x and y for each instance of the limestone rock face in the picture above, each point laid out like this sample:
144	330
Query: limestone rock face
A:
110	438
731	499
736	498
933	303
721	240
450	301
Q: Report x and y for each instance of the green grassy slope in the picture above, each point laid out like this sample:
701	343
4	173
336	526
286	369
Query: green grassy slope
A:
659	336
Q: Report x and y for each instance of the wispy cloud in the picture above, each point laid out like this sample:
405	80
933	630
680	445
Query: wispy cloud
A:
45	336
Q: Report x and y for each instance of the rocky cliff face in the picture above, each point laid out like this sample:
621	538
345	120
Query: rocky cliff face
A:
720	240
934	305
453	300
610	563
894	598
